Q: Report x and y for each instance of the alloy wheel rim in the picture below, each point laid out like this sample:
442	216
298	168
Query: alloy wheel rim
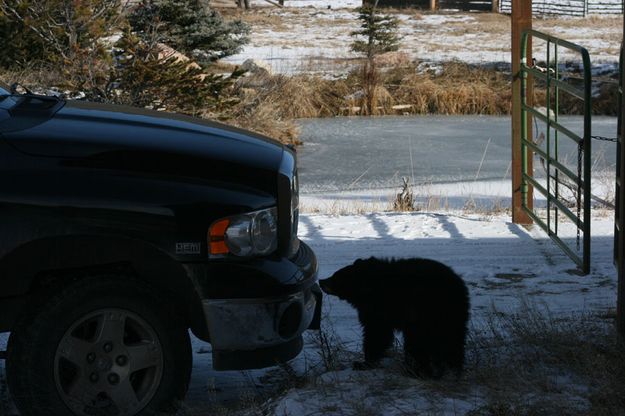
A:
109	362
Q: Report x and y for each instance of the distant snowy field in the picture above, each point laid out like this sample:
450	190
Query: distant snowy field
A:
314	36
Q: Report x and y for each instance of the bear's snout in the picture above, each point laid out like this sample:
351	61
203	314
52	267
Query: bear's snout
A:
326	286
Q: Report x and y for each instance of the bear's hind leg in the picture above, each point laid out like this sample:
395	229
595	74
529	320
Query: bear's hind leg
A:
417	355
456	352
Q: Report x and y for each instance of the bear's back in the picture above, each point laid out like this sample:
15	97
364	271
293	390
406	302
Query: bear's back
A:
406	287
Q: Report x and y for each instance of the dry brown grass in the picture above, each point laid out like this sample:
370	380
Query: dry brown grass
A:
293	97
265	119
460	89
604	101
430	97
269	104
526	363
532	362
260	17
35	77
594	21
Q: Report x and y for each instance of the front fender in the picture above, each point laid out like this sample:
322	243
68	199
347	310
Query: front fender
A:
28	267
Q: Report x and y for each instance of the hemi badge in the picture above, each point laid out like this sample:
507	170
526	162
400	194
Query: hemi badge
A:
188	248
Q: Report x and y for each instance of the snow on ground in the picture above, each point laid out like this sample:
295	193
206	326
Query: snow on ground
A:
504	265
316	39
501	262
476	195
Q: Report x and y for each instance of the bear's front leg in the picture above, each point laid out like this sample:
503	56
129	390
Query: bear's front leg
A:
377	338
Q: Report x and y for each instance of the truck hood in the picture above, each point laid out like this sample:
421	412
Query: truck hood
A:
117	137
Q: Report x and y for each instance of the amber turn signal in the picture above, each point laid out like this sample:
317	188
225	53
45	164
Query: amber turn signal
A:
217	237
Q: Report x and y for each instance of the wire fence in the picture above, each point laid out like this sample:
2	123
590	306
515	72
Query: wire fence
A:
579	8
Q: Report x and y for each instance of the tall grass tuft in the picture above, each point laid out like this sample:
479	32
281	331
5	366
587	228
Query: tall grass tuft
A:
528	358
404	200
458	89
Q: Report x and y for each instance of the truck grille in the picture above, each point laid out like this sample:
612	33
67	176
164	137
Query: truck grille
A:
294	213
288	204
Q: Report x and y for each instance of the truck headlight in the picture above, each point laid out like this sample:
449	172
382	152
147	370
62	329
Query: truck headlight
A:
251	234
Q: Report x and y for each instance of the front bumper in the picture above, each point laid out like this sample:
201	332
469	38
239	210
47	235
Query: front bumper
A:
256	333
265	329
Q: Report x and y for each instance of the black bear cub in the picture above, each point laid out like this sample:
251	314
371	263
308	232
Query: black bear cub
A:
422	298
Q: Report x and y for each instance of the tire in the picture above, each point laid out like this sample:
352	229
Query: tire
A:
105	345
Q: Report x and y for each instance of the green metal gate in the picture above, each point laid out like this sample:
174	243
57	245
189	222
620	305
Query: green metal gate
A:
619	212
557	174
619	221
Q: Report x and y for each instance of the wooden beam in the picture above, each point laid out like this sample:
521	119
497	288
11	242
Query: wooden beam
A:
433	4
521	20
495	6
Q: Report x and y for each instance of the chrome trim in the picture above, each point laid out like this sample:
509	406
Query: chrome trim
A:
249	324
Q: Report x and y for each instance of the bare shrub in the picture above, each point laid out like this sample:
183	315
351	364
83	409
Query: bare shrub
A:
332	353
404	200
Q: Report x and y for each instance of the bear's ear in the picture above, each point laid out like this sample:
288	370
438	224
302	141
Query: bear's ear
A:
362	262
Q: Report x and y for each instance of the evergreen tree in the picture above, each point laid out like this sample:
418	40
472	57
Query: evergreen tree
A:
142	77
66	34
379	33
67	27
20	46
191	27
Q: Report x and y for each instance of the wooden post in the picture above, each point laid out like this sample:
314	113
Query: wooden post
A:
619	243
433	5
521	20
495	6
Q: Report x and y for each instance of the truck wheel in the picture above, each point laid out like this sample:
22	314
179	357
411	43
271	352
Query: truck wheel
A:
102	346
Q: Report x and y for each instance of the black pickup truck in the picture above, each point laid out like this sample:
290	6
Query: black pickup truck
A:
121	230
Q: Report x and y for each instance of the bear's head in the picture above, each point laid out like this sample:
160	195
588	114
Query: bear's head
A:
351	283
